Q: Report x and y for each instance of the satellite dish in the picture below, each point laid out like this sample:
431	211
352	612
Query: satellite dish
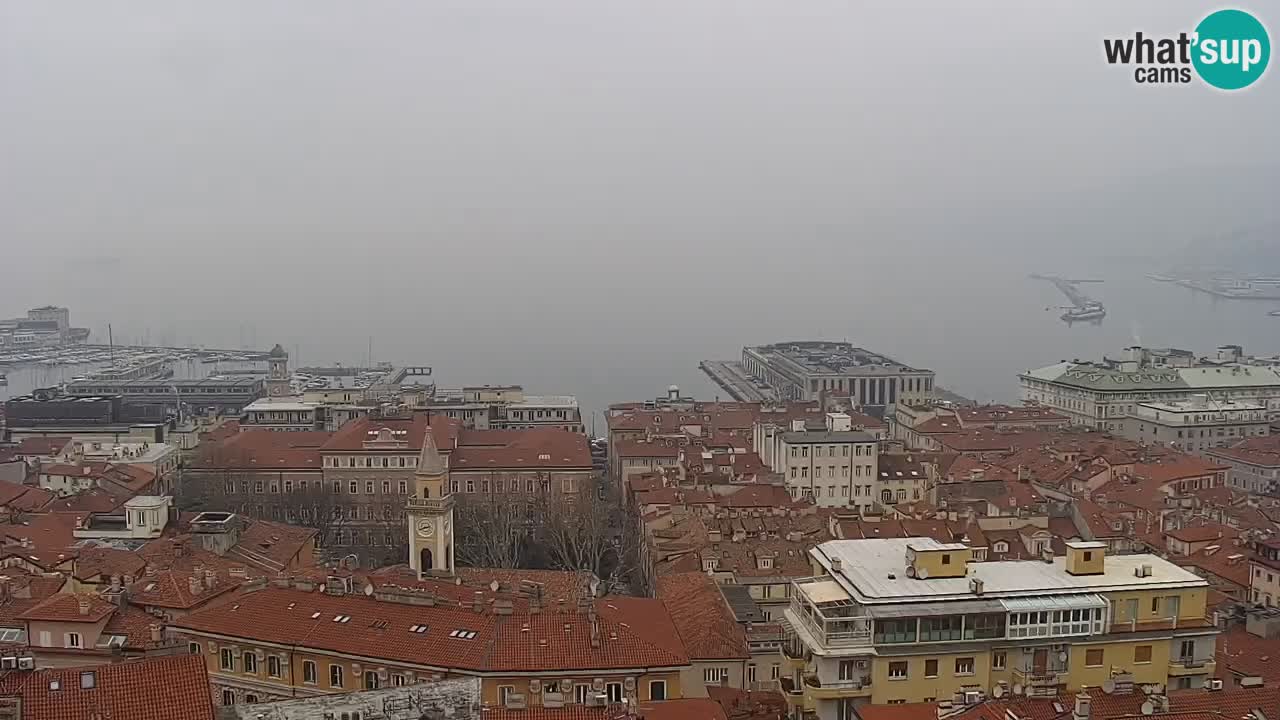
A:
997	691
1158	689
1062	656
368	591
1108	686
922	574
1147	707
1017	688
911	571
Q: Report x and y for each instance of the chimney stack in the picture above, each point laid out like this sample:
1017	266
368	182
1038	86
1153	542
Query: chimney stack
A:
193	585
1082	707
150	571
156	634
83	605
210	579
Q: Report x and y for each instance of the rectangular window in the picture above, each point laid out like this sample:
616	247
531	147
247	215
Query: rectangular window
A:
936	629
1142	654
751	673
273	666
505	691
250	661
193	648
775	671
998	660
308	672
658	690
898	670
353	487
580	693
896	631
227	660
931	668
964	666
714	675
335	676
614	691
1093	657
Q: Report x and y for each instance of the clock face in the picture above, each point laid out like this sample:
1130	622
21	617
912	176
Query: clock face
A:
426	528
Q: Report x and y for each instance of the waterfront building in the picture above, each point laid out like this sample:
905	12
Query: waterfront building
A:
1102	395
914	620
806	370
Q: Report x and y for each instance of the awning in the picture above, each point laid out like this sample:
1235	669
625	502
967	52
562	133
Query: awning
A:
824	591
1054	602
961	607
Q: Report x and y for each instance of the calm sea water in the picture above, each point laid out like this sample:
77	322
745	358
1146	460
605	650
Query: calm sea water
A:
977	330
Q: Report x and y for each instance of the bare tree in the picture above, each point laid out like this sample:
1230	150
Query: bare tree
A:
589	530
491	531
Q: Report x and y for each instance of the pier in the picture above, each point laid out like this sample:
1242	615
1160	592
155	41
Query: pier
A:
1068	288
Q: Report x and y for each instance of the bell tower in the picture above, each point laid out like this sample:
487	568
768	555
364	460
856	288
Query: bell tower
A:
277	372
430	511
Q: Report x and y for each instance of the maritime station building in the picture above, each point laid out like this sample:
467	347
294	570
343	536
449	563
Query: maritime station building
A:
911	620
812	370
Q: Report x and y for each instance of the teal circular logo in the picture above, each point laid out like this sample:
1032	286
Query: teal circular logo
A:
1231	49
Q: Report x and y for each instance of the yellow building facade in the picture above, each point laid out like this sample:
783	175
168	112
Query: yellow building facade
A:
890	621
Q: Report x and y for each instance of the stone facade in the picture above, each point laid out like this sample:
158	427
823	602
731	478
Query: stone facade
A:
456	699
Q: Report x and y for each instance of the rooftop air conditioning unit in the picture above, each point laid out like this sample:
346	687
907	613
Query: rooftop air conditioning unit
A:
26	663
9	663
597	700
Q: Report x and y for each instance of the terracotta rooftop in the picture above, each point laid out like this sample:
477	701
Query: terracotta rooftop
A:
702	617
410	429
162	688
633	632
254	449
67	607
514	449
42	446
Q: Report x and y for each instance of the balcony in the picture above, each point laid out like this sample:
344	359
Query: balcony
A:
1191	666
822	610
834	689
438	505
1041	677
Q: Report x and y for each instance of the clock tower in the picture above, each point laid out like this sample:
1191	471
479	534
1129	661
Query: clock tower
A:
278	372
430	511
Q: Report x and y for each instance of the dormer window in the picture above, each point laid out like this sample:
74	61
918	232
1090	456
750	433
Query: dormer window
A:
766	563
710	564
1000	547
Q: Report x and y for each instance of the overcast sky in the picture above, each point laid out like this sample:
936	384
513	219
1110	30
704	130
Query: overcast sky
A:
562	192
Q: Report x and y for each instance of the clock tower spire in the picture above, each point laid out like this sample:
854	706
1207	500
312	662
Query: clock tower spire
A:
430	511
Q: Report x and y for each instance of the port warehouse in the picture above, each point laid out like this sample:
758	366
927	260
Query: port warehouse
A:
210	392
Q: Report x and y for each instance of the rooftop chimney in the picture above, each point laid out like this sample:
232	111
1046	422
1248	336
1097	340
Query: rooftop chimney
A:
83	605
156	634
1082	707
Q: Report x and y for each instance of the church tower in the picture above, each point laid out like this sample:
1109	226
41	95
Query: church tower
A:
430	511
277	372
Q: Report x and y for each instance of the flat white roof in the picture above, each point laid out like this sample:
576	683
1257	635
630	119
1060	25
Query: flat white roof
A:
825	591
1086	545
278	404
866	567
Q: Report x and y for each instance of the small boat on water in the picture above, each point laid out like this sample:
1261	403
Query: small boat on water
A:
1274	313
1160	278
4	380
1088	312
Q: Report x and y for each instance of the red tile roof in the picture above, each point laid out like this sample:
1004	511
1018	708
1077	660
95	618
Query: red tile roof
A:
42	446
411	429
515	449
702	617
26	498
153	689
646	449
257	449
633	632
901	711
66	607
103	562
1244	654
